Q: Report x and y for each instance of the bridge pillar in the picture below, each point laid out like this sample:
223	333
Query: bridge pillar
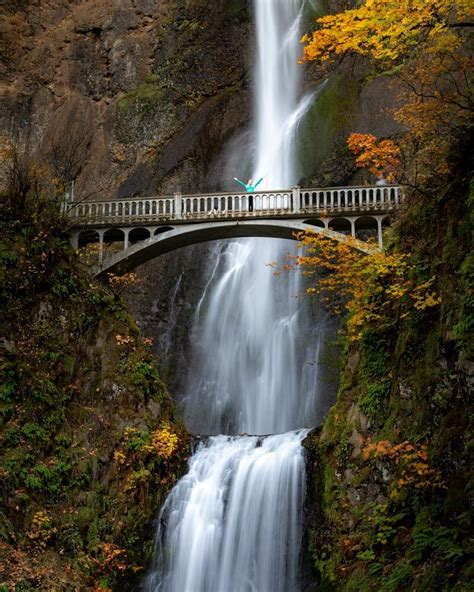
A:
126	232
353	227
101	246
178	205
379	232
75	240
296	199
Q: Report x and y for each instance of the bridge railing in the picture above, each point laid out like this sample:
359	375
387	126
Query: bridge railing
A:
295	201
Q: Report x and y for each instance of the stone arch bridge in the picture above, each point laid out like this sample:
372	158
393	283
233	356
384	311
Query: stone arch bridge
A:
142	228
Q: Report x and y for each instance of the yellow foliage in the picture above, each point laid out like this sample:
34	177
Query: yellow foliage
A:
424	44
385	30
367	286
164	442
41	529
118	283
120	457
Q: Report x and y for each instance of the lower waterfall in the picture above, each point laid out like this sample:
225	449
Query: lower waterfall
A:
233	523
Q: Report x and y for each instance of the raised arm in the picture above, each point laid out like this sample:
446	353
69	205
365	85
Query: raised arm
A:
240	182
258	183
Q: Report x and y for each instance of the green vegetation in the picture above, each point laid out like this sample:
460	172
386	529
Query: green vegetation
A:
394	482
145	97
91	443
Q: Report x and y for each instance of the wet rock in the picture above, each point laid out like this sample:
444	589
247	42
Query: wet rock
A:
405	391
357	441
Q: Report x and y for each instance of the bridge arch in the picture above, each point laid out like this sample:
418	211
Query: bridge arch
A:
137	235
189	234
114	235
315	222
87	237
342	225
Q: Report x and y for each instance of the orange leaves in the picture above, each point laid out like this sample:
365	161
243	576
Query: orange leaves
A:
118	283
380	157
408	465
112	558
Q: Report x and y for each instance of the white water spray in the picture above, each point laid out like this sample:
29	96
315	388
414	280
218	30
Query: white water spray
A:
233	523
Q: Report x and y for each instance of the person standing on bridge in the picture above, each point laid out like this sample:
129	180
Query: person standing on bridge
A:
249	188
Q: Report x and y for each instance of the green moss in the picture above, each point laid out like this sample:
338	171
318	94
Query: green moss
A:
145	97
374	398
329	116
239	9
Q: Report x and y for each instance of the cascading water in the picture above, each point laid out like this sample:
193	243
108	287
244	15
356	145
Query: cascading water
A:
233	523
250	371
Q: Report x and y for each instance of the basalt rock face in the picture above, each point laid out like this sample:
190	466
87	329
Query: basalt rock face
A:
164	301
144	90
130	97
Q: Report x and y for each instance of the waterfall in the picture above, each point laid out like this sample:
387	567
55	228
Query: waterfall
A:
250	370
233	523
221	534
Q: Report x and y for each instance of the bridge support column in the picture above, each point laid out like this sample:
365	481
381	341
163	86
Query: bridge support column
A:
75	240
178	205
126	232
101	246
353	227
379	232
296	200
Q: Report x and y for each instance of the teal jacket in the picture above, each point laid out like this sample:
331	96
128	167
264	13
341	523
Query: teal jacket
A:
248	187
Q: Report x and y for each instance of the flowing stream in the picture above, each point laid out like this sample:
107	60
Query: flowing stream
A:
233	523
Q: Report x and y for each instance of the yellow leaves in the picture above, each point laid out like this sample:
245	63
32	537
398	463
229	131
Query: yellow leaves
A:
41	529
385	30
120	457
423	297
367	286
118	283
164	442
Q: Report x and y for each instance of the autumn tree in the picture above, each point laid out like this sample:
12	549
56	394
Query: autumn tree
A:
380	157
375	288
388	31
424	44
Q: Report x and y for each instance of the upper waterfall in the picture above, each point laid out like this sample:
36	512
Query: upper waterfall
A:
255	352
277	81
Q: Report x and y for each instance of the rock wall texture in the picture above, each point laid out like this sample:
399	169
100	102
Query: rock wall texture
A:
129	97
136	95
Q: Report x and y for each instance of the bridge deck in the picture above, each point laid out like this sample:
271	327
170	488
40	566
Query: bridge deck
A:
289	203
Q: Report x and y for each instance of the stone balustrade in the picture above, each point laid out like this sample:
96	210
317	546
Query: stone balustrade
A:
285	203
